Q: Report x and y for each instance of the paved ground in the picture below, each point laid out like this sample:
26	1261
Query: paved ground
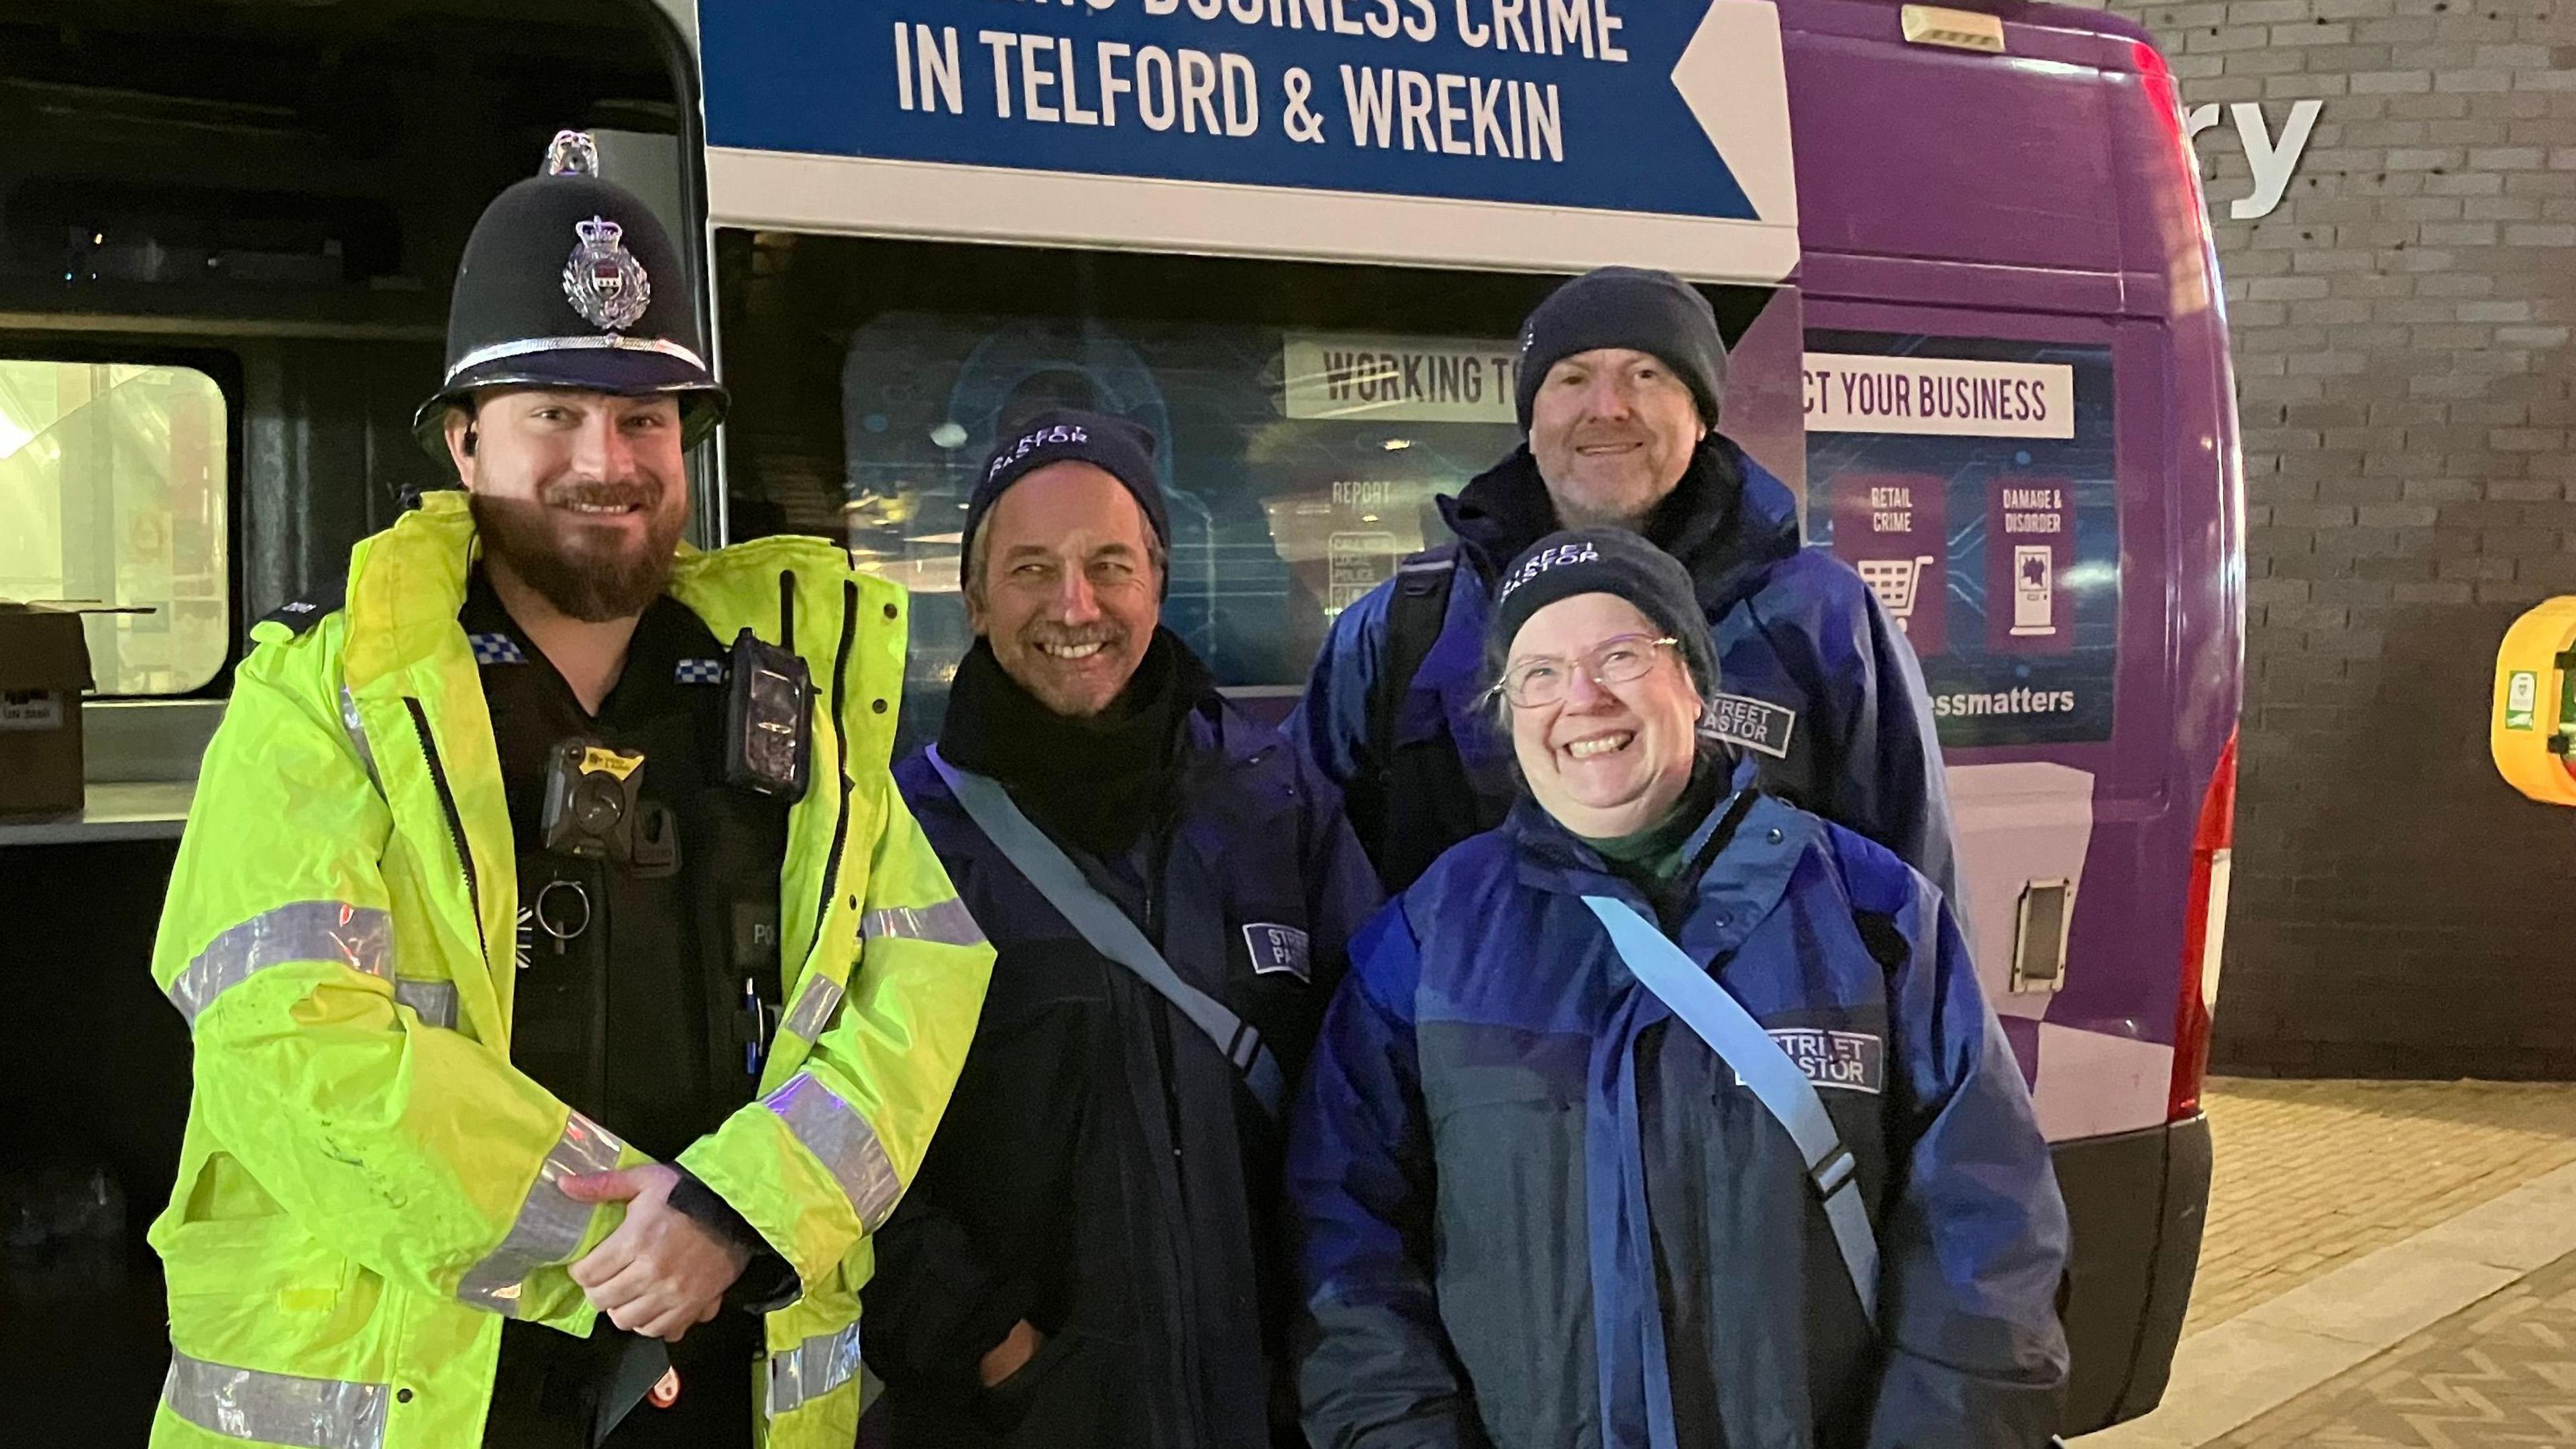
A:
2311	1175
2388	1266
2501	1372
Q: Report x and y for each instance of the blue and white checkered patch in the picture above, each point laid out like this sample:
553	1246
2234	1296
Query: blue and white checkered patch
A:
698	671
496	649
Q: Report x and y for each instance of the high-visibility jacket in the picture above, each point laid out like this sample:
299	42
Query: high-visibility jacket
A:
368	1186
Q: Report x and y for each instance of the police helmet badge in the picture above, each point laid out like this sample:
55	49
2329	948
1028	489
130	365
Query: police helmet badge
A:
572	153
602	279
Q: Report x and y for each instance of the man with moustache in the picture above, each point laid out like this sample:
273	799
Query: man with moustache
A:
554	944
1621	379
1090	1256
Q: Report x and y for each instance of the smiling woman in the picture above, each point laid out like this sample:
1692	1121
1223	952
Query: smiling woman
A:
1574	1007
1609	746
1604	727
1602	662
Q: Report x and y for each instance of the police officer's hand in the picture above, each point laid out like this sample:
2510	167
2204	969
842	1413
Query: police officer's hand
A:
661	1273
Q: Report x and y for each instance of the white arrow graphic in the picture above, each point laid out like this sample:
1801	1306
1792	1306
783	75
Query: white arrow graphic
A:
1732	77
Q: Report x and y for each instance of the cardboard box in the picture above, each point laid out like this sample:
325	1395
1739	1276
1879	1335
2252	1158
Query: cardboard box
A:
44	666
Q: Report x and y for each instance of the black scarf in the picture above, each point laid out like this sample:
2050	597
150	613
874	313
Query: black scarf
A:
1099	782
1506	509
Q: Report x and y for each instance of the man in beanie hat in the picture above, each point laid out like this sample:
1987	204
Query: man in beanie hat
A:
1621	385
569	986
1091	1256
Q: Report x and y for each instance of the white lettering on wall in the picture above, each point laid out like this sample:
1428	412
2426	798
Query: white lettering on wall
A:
2271	159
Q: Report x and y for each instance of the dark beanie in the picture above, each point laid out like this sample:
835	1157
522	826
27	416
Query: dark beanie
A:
1069	435
1628	307
1601	561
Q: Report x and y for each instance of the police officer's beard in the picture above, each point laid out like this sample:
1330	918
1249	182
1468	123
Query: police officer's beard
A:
589	583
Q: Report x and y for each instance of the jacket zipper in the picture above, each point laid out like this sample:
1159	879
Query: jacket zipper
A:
841	823
1156	860
455	823
1158	863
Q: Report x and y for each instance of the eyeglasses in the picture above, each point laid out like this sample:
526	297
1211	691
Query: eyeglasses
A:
1530	683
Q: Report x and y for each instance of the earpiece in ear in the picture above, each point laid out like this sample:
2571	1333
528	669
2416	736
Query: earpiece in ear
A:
468	444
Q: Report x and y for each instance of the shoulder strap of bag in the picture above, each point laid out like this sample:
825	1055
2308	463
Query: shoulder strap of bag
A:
1739	1041
1413	620
1108	930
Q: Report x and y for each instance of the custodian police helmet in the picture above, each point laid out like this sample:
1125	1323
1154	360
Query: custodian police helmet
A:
569	281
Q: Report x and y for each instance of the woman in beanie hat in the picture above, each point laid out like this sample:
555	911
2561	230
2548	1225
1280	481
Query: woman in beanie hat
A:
1666	1113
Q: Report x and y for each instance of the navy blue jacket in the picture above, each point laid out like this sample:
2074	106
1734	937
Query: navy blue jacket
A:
1795	627
1535	1209
1101	1171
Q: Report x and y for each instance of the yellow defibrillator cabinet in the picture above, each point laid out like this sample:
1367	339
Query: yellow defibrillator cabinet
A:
2535	703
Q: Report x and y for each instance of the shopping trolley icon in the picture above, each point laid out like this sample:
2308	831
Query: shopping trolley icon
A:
1895	581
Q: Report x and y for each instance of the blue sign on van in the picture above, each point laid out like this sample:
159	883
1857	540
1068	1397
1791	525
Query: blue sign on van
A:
1672	108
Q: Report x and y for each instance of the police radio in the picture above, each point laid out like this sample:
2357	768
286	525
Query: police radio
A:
769	704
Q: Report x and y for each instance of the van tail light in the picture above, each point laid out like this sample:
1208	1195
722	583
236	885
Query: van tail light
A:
2204	934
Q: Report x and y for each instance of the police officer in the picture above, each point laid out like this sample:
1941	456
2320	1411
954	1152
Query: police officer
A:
1090	1259
569	987
1622	378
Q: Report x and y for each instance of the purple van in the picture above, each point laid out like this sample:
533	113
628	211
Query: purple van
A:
1961	259
2046	210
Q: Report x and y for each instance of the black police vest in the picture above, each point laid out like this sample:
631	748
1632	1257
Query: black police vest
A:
646	991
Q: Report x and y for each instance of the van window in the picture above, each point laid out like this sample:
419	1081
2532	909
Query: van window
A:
1308	415
1298	465
1971	482
112	484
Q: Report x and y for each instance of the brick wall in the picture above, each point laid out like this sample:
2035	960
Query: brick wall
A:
2403	367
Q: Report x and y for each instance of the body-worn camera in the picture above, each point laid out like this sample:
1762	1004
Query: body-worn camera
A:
595	808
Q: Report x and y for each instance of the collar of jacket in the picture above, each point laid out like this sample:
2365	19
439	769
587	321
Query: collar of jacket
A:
1728	520
1236	738
1223	789
1741	886
1213	726
407	584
